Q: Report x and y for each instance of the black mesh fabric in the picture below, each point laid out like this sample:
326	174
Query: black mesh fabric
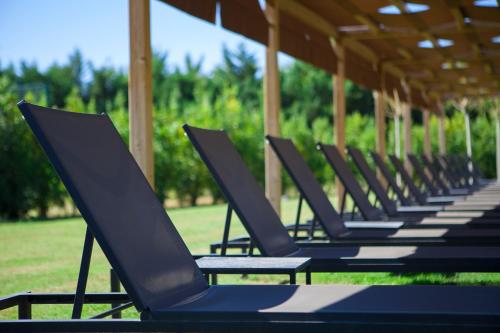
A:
390	179
415	163
242	191
349	181
452	169
414	190
435	175
359	304
308	186
389	206
438	165
119	206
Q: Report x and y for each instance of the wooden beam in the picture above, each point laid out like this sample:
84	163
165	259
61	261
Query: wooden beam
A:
272	105
458	15
398	110
441	129
397	130
497	142
298	10
339	111
468	138
427	134
139	88
384	33
380	127
407	123
470	59
316	21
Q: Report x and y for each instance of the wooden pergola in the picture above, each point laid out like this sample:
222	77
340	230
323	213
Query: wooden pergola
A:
410	54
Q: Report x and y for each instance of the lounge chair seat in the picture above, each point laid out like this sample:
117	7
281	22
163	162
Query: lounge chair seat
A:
341	302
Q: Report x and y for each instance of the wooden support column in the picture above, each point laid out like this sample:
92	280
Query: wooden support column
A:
397	131
407	138
441	129
398	110
139	88
468	137
272	104
462	106
338	81
497	128
380	126
427	134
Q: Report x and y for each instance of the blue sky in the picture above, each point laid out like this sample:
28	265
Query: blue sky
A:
47	31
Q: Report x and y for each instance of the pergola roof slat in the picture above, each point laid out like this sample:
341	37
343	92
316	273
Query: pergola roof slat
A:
460	56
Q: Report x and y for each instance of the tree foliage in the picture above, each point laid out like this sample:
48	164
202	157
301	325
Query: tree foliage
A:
228	98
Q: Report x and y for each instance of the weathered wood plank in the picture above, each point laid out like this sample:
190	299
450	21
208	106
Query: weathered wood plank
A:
140	91
272	103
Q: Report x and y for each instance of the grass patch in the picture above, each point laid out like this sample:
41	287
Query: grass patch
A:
44	256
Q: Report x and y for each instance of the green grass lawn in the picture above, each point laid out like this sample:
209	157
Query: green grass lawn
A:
44	256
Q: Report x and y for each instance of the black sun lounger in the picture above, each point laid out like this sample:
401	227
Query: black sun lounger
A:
452	172
415	191
403	199
491	205
391	209
264	226
447	174
371	213
389	206
435	174
431	186
407	201
424	178
163	280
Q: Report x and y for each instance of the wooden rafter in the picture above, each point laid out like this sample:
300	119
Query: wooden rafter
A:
459	13
375	28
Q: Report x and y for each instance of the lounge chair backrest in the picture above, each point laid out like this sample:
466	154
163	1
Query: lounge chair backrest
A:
388	205
421	174
435	175
342	170
462	167
308	186
440	167
414	190
380	163
120	208
454	169
242	191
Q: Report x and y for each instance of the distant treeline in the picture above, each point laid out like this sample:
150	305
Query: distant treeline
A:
229	97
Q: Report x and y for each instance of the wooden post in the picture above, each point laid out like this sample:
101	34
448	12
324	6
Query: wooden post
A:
378	97
139	88
462	106
427	134
339	111
397	124
497	127
272	106
397	131
407	139
441	129
468	134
